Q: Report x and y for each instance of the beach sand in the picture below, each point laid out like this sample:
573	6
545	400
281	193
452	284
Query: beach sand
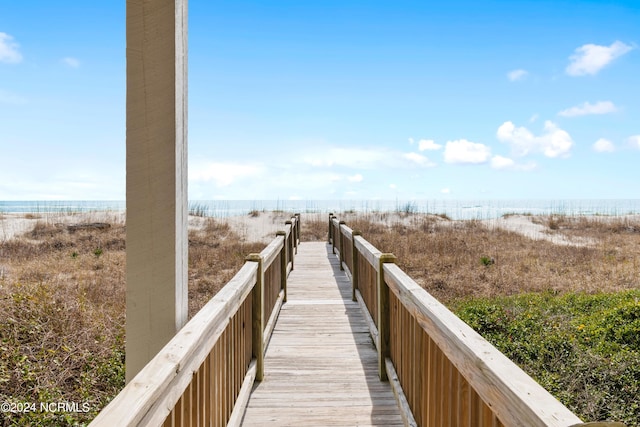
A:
17	224
264	226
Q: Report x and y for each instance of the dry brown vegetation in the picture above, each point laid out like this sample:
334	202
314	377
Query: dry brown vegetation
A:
62	309
216	253
314	228
455	259
62	305
62	298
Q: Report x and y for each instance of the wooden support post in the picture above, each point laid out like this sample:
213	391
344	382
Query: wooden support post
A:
284	255
257	316
297	231
290	241
354	260
330	238
341	239
157	211
383	316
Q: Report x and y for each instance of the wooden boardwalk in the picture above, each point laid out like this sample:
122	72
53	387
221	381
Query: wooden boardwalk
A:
321	365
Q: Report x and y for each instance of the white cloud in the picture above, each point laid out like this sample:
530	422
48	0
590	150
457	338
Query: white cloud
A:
355	178
428	145
9	52
600	107
516	75
445	191
505	163
463	151
71	62
634	141
499	162
393	186
348	157
361	158
222	174
534	118
418	159
411	141
591	58
554	142
603	146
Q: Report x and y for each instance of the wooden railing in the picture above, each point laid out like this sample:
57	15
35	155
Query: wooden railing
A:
442	372
204	375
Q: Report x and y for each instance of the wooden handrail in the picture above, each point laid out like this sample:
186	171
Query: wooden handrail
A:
437	355
270	253
147	399
513	396
204	372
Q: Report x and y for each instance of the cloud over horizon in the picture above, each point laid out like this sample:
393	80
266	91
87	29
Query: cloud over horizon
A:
554	142
589	59
584	109
9	52
428	145
355	178
418	159
505	163
222	174
603	146
462	151
362	158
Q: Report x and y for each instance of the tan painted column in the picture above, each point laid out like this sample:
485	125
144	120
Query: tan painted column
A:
156	177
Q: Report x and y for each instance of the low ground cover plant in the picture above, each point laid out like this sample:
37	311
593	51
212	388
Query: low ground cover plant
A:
583	348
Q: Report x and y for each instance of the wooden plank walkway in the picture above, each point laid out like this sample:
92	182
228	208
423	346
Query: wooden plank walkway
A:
321	365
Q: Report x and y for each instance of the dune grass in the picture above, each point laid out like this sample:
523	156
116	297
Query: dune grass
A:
62	305
62	295
446	257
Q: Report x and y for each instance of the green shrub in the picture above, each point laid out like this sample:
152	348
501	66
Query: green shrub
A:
584	349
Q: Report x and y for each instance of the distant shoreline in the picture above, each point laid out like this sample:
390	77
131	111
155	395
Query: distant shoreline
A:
262	226
452	208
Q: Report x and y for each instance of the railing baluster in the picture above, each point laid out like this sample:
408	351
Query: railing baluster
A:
383	315
354	263
258	317
284	261
424	391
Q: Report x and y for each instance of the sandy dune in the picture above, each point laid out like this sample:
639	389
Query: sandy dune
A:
263	227
16	224
522	224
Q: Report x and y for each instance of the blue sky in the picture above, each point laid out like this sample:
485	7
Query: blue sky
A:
337	100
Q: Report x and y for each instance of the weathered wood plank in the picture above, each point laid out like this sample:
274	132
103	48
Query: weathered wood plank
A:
321	364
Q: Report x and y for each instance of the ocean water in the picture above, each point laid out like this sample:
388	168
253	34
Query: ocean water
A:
455	209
